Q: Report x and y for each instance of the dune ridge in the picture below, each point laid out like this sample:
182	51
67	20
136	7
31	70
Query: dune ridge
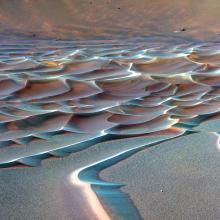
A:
60	97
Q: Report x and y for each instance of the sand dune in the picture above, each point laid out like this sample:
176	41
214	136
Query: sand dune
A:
59	98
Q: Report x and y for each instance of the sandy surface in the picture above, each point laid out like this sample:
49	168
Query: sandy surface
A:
47	192
177	180
71	18
60	98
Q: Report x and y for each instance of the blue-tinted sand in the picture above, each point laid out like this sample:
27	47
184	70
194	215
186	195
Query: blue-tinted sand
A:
109	110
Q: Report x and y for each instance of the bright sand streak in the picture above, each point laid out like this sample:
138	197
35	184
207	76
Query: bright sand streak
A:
92	198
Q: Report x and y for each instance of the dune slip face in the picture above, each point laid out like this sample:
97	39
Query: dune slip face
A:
60	98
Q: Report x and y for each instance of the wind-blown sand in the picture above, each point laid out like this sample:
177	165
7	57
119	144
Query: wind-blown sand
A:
105	107
100	125
177	179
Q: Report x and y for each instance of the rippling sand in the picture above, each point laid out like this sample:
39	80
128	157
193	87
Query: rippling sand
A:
133	127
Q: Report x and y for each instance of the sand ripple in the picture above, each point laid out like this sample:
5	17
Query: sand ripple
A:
60	97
